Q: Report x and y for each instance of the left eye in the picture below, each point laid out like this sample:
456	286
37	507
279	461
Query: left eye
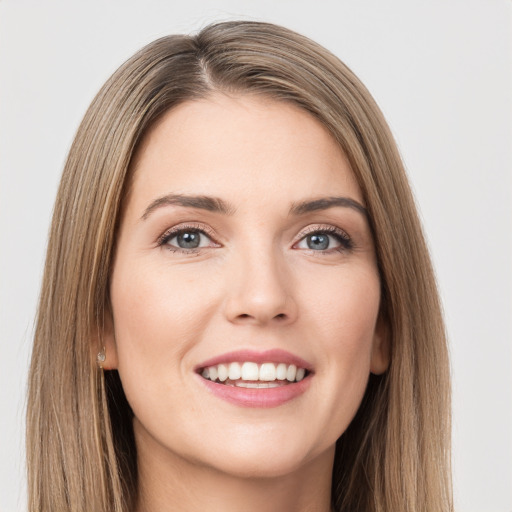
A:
187	239
320	241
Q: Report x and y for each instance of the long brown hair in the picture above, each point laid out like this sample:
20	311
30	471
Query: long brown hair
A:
394	457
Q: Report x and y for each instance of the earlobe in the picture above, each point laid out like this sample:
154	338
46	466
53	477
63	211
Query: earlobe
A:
109	350
381	350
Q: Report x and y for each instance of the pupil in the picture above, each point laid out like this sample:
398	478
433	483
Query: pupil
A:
188	240
319	242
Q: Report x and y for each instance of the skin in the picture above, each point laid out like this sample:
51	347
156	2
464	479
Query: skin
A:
253	284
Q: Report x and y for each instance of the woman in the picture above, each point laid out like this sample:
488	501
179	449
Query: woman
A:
238	308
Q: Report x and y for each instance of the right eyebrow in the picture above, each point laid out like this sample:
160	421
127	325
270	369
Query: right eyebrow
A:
211	204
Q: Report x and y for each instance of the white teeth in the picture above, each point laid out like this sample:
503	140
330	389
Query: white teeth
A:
222	370
252	385
235	371
257	385
250	371
267	372
259	376
291	372
281	371
212	370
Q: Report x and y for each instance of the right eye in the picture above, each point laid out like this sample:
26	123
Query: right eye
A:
186	239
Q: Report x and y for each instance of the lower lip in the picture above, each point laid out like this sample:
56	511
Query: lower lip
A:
258	397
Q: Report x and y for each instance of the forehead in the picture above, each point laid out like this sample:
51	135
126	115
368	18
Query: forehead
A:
243	148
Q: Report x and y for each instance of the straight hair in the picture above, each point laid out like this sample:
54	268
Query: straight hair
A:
395	455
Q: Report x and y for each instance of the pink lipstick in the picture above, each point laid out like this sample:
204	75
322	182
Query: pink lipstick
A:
249	378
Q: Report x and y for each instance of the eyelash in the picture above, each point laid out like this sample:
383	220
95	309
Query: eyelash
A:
346	243
185	228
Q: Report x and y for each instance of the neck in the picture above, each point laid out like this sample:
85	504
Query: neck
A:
167	481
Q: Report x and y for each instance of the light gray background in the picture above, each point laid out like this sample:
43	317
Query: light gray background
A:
441	70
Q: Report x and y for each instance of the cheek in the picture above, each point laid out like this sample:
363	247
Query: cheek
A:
345	319
346	310
158	315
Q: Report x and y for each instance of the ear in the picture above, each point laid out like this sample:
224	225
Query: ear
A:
109	341
381	350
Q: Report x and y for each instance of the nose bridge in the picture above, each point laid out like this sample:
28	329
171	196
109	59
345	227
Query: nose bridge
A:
260	286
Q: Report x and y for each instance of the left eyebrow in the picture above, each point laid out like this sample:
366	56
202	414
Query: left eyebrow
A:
325	203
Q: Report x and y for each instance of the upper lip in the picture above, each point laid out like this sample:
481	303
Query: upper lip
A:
267	356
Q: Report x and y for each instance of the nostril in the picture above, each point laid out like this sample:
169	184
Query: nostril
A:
280	316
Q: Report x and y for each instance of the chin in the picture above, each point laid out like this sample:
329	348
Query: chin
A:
264	458
262	467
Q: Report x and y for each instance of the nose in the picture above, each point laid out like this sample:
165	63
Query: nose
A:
260	291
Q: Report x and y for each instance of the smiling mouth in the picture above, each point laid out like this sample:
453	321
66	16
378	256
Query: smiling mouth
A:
253	375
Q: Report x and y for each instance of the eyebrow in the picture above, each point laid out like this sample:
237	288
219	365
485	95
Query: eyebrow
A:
325	203
211	204
217	205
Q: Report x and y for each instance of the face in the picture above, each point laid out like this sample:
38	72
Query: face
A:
245	291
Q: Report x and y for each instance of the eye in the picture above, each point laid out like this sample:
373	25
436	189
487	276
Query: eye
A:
186	239
325	240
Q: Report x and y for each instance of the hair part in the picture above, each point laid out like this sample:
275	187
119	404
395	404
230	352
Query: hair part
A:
395	455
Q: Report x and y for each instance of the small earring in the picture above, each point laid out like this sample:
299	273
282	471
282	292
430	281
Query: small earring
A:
100	358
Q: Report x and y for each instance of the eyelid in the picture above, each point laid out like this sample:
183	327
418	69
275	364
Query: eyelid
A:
322	228
345	241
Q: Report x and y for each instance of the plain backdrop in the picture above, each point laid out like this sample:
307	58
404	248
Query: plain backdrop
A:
441	70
